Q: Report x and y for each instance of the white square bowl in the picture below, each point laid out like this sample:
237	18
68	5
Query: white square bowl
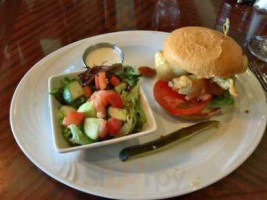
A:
60	143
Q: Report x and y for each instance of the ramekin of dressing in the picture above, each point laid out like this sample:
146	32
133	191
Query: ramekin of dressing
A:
102	54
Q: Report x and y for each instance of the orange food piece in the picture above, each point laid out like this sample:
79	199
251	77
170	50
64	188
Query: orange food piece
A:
114	126
102	80
103	129
73	118
87	91
114	80
97	85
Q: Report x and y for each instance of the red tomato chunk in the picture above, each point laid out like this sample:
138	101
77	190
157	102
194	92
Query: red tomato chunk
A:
87	91
114	126
73	118
114	80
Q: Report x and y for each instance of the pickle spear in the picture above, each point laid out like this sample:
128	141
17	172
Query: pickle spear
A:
165	141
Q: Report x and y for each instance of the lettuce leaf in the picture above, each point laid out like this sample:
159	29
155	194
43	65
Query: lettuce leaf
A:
136	117
140	117
221	100
77	136
78	102
129	75
74	135
129	125
66	133
58	92
131	97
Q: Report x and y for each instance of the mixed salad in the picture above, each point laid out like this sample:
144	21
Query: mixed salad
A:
103	103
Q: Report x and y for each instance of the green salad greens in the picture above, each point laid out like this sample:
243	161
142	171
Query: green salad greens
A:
103	103
129	75
135	114
221	100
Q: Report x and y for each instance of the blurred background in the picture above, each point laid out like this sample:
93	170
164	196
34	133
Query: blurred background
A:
32	22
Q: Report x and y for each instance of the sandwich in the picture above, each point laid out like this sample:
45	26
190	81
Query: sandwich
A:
196	71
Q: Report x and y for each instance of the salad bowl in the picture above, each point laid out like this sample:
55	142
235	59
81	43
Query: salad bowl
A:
63	146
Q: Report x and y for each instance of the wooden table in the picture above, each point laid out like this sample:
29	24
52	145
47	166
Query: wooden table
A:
29	30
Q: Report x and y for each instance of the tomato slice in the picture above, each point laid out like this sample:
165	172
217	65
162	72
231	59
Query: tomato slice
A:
114	126
102	80
87	91
115	100
174	102
97	85
73	118
114	80
103	129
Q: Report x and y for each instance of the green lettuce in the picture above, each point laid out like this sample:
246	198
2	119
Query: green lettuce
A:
78	102
129	75
58	92
66	133
136	117
131	97
221	100
140	117
77	136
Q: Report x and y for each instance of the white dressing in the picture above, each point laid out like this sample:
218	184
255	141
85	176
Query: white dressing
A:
105	55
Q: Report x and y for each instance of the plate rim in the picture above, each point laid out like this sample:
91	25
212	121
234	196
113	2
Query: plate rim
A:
115	196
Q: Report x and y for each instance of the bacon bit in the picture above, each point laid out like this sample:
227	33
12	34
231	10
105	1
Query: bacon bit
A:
147	71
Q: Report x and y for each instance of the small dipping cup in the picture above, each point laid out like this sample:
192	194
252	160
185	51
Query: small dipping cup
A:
102	54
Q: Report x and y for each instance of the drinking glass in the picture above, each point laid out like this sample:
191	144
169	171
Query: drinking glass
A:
257	46
166	16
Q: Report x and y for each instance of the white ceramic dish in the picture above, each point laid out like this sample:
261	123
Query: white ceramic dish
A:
59	141
182	169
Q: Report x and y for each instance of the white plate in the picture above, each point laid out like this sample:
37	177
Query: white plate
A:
181	169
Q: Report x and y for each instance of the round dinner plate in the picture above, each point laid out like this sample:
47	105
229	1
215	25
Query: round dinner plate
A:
183	168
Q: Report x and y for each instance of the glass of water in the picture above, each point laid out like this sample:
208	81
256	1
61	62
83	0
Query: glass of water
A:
257	46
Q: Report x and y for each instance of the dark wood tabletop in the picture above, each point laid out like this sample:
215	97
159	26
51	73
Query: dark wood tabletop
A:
31	29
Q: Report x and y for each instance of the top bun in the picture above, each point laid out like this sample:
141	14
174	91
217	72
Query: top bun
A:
204	52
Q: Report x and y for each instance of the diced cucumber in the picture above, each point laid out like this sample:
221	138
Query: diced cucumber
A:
88	109
91	126
78	137
118	113
72	91
121	87
66	109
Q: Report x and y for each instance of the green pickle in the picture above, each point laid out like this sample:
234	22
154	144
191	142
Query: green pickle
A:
165	141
